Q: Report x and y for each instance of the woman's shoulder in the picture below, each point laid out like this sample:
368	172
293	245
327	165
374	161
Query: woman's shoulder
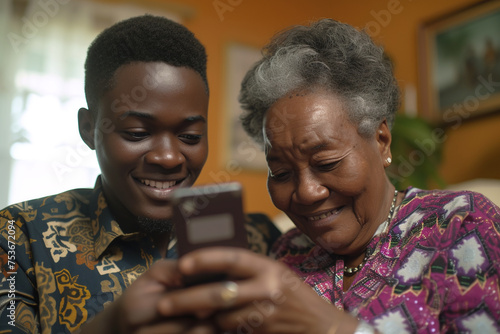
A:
450	201
293	242
444	210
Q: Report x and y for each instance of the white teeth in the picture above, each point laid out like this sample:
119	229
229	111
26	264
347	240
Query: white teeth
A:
158	184
323	215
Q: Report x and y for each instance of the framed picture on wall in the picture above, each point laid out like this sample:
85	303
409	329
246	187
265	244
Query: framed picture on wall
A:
459	64
244	153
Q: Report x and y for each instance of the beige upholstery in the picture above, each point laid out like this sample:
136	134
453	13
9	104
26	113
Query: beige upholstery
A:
488	187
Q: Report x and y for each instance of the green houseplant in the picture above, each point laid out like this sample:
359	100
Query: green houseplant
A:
416	154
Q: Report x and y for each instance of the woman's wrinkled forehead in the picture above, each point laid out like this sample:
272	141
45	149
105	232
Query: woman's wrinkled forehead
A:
280	115
305	120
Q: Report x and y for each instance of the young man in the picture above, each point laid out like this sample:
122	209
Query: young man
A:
65	257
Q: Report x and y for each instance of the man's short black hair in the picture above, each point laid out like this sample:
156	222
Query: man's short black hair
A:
145	38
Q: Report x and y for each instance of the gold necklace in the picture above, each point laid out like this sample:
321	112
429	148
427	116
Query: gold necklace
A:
351	271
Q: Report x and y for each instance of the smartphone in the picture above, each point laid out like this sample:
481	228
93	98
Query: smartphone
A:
207	216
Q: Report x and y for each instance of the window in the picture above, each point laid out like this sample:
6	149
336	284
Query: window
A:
42	85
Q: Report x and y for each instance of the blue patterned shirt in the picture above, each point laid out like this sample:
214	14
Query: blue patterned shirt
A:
64	257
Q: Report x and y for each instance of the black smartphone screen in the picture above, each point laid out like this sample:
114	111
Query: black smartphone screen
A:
208	216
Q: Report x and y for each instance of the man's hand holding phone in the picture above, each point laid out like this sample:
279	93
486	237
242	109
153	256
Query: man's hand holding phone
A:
208	216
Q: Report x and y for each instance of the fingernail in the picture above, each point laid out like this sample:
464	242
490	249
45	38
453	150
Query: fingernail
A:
187	265
165	306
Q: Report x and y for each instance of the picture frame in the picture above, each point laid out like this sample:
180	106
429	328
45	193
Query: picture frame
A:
243	152
459	64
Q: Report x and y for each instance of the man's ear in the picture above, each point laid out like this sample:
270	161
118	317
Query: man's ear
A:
86	126
384	138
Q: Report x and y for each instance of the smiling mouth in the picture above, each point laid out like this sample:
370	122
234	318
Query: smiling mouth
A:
325	214
158	184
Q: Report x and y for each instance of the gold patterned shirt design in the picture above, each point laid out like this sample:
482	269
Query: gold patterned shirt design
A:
72	258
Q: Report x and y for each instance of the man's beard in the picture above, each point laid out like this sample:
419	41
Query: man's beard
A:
155	226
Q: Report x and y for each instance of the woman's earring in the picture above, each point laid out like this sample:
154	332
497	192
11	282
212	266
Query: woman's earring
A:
388	161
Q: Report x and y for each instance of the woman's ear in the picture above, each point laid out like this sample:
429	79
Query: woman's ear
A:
86	126
384	138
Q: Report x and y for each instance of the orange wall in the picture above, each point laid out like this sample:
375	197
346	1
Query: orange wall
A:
472	149
469	149
252	23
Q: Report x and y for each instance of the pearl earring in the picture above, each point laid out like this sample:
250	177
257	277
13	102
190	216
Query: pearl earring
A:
388	160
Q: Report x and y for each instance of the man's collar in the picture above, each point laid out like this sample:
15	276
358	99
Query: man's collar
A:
105	228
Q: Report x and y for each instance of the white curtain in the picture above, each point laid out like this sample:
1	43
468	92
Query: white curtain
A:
8	62
41	90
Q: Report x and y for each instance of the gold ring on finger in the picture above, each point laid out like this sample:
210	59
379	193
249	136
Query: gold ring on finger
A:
229	293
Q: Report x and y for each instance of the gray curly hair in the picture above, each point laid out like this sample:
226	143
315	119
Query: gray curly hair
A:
326	54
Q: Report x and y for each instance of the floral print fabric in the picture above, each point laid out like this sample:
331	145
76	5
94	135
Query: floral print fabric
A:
434	269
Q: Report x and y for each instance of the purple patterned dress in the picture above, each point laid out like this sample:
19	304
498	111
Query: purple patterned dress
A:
434	269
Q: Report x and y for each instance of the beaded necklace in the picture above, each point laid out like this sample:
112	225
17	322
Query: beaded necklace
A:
351	271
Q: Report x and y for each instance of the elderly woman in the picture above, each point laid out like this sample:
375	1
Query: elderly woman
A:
322	102
364	257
